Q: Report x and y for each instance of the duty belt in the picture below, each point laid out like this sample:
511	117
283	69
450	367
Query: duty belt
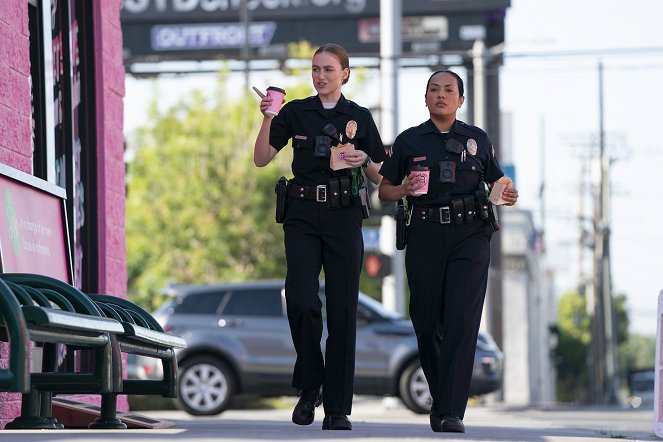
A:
440	214
460	211
315	193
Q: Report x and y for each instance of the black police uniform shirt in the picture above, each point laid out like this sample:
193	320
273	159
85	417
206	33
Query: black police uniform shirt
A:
303	120
425	145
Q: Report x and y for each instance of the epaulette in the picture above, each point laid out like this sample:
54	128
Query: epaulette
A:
307	103
356	106
462	126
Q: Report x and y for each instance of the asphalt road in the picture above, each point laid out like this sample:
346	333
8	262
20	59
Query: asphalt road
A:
381	421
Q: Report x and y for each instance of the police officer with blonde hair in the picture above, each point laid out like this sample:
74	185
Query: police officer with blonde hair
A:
333	139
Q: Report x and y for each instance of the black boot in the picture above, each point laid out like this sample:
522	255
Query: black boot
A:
435	422
304	412
452	424
336	422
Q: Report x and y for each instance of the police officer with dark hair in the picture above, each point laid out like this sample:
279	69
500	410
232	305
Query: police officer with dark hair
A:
448	239
322	225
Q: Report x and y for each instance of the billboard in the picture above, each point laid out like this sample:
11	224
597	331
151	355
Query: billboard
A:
158	30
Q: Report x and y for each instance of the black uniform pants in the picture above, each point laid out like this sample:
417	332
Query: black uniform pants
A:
447	270
318	237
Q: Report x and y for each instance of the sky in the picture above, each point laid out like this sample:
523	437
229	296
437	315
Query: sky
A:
549	89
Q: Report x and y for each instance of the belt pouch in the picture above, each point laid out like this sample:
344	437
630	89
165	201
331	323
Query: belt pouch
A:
470	210
457	211
401	224
345	191
493	217
281	190
334	195
482	204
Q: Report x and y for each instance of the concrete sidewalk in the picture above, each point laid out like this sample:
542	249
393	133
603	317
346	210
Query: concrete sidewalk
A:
372	421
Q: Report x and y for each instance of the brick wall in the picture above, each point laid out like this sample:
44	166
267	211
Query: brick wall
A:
16	147
110	165
110	161
15	126
15	130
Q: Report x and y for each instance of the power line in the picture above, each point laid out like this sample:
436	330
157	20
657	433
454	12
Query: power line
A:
637	51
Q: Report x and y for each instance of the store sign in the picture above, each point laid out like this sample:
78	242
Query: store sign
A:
413	29
220	8
33	235
159	30
212	36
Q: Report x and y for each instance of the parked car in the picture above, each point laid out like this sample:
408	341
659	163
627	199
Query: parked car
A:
641	385
238	342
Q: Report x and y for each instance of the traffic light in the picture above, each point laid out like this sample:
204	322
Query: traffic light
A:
377	265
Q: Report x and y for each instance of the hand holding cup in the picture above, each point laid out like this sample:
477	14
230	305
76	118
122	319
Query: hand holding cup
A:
419	176
272	101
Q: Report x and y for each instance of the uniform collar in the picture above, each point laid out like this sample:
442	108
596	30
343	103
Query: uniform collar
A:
457	127
315	104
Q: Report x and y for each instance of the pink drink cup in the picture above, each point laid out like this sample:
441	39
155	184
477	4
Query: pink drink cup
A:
420	175
278	95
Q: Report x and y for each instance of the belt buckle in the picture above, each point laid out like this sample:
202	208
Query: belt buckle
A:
445	215
321	193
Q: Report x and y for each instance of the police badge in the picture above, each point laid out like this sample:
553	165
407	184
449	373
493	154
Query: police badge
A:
472	146
351	129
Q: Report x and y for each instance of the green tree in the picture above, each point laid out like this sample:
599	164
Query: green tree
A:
198	210
572	349
637	353
634	352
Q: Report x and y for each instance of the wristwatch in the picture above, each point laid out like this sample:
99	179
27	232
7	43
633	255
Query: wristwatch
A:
367	162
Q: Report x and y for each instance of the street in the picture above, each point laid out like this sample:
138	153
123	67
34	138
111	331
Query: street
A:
382	420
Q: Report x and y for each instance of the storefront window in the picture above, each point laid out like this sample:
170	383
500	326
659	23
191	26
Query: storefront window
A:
41	79
64	119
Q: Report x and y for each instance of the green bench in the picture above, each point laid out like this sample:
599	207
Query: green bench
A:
142	336
31	315
38	308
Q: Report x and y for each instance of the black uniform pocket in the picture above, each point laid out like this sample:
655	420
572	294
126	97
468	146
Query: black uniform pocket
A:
302	152
468	176
302	144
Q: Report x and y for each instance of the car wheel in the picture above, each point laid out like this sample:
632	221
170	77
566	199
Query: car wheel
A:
205	386
413	389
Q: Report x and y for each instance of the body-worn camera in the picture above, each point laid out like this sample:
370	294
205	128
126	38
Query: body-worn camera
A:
448	172
322	146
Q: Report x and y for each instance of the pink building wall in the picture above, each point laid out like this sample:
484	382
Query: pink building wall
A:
15	125
16	151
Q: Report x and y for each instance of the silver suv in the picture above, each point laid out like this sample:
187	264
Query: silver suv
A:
238	342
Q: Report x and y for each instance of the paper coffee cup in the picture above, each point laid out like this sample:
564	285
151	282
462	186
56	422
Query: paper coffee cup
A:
278	95
420	176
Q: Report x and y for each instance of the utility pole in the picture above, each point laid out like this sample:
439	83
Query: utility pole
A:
603	325
245	55
484	105
393	286
610	386
542	173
